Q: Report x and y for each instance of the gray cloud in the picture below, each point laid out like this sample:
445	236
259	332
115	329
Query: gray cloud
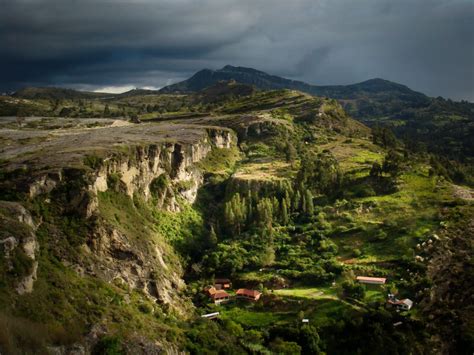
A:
425	44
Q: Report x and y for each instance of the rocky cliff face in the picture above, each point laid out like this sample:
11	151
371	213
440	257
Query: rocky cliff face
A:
176	161
165	171
19	245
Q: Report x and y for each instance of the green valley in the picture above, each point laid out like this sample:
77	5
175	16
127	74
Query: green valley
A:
121	213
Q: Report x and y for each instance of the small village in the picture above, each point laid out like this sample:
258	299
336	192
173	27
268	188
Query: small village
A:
218	293
222	292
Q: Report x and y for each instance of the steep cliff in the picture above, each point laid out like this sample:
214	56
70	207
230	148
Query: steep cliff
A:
62	234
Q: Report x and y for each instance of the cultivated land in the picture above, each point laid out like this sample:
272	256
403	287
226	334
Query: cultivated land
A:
277	190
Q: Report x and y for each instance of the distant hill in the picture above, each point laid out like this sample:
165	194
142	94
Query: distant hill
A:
386	96
224	90
444	126
53	93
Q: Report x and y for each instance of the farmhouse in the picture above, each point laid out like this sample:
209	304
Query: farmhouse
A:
222	284
252	295
371	280
220	296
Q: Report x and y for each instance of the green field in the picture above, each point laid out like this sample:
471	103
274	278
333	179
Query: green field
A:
310	292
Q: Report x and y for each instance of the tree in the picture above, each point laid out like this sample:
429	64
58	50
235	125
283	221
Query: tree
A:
268	256
284	213
290	153
352	290
106	111
265	212
384	136
279	346
212	237
309	340
320	173
392	164
376	170
227	258
308	206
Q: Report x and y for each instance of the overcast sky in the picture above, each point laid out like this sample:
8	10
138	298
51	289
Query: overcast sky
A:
115	45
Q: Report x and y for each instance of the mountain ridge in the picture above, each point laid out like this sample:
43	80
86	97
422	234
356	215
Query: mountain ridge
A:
204	77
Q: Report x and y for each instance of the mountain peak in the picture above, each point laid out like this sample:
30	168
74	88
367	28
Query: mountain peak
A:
261	80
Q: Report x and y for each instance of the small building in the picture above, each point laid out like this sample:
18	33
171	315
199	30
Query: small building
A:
220	296
251	295
222	284
305	320
404	305
210	290
371	280
211	315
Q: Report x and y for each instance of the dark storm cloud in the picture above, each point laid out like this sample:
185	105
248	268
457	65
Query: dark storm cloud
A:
426	44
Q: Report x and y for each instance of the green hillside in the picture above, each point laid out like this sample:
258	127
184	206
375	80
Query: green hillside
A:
118	228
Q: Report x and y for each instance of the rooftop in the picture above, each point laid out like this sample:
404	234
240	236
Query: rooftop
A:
246	292
371	279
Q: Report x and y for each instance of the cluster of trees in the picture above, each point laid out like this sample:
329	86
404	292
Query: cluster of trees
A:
244	211
229	337
452	170
384	137
245	226
392	165
319	173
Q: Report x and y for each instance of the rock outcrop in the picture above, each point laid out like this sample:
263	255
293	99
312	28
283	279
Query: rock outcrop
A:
19	245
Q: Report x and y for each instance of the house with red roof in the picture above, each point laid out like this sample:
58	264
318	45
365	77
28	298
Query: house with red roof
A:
218	296
252	295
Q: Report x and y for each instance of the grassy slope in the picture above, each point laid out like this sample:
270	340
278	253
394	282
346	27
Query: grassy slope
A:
407	217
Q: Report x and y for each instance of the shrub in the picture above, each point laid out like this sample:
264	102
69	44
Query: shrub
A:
158	185
21	263
93	161
364	191
279	346
108	345
352	290
113	181
145	308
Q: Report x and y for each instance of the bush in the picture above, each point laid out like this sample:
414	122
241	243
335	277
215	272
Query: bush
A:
93	161
279	346
22	263
364	191
113	181
108	345
158	185
145	308
352	290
